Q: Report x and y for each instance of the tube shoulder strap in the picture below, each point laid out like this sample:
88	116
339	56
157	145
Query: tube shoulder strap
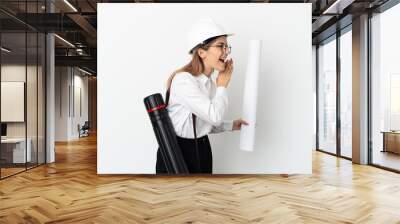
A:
195	142
167	95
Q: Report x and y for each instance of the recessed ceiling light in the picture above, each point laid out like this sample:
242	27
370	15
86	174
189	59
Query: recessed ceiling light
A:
338	6
5	50
84	71
64	40
70	5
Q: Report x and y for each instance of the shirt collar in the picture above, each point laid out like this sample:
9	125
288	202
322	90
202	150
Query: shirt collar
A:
203	78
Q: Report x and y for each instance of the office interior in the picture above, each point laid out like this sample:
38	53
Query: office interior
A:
49	97
35	63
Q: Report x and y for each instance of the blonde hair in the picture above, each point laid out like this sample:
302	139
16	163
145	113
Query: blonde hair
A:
196	65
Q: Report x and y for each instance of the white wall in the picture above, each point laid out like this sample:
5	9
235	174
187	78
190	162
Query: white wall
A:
12	100
67	85
136	57
314	86
61	103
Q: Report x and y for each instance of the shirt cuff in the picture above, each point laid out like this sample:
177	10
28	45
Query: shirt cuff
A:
221	91
228	125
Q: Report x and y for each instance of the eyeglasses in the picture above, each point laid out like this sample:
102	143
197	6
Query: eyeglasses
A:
224	47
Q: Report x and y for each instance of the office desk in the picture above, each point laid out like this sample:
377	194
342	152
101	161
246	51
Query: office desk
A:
13	150
391	141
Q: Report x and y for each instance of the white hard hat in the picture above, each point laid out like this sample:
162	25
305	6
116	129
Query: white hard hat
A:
202	30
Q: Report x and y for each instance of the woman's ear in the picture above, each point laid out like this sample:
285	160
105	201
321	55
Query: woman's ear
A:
202	53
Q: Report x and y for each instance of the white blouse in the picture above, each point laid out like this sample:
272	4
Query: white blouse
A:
201	96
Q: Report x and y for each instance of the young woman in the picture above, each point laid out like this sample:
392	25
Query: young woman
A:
197	104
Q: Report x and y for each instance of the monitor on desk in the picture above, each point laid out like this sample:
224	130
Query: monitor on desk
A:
3	130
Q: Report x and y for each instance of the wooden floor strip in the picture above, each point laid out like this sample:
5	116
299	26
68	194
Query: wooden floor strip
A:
70	191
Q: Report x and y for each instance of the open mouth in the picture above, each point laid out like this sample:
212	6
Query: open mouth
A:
222	60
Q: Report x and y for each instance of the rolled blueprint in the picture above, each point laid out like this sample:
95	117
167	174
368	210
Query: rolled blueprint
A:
165	135
249	110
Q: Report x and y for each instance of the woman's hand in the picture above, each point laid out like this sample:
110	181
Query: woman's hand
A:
237	124
225	76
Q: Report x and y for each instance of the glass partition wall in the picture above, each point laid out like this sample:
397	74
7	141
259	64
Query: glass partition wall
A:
345	61
334	93
327	95
13	110
385	89
22	77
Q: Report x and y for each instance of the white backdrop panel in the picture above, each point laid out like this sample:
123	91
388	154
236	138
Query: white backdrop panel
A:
139	45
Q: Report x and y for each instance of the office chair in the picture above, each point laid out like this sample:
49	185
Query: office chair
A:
84	130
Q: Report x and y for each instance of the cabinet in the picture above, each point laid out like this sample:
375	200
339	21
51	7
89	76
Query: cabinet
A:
391	141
